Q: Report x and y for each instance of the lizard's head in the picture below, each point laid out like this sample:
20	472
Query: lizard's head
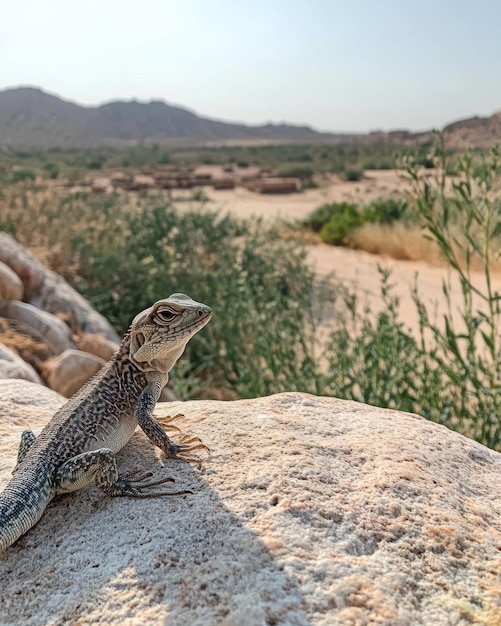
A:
158	335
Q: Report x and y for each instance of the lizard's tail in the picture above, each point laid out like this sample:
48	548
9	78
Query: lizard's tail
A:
23	502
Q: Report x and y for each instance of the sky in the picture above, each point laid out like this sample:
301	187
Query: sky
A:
355	65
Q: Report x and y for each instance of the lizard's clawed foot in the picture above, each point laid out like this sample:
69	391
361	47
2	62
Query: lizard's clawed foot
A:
135	488
166	422
187	444
185	447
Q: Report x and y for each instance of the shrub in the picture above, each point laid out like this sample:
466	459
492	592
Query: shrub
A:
353	174
51	170
322	215
164	158
266	300
336	221
304	172
24	175
385	211
95	164
341	224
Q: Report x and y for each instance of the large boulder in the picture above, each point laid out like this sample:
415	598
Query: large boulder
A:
51	328
70	370
13	366
309	510
11	287
97	345
47	291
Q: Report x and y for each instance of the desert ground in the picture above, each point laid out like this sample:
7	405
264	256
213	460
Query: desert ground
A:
296	206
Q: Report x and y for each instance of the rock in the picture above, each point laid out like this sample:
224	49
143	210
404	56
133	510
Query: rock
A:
22	405
101	185
97	345
70	370
49	292
13	366
54	330
309	510
22	263
11	287
143	182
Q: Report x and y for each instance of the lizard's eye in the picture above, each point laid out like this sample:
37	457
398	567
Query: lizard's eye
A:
166	315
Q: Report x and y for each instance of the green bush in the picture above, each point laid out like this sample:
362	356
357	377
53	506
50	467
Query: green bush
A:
304	172
336	221
354	174
95	164
322	215
24	175
267	302
385	211
341	224
51	170
164	158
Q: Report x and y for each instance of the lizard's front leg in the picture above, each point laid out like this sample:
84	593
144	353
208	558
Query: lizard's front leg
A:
144	415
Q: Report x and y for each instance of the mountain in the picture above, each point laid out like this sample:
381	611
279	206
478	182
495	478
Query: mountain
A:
31	118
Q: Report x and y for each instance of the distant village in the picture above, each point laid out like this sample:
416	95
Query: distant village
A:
171	177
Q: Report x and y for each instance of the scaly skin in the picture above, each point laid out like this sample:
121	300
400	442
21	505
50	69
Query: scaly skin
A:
78	445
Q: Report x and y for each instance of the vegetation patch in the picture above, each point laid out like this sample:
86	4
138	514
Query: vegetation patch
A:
123	253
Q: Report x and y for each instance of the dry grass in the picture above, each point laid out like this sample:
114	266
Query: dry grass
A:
405	243
47	219
25	342
396	241
301	235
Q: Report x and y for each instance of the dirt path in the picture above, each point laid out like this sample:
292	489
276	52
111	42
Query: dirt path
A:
359	270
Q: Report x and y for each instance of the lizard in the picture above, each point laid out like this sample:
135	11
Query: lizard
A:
78	445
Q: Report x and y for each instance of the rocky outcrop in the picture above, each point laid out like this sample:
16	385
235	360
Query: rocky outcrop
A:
309	511
47	291
474	132
39	345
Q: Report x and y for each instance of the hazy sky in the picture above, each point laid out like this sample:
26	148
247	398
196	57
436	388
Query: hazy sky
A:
336	65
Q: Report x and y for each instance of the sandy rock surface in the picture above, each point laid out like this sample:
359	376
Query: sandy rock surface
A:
310	510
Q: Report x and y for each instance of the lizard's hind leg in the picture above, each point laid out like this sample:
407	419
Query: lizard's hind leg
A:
101	466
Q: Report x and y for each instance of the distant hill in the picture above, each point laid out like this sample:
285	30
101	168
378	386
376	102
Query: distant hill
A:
31	118
474	132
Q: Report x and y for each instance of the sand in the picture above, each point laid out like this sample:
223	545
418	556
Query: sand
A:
295	206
